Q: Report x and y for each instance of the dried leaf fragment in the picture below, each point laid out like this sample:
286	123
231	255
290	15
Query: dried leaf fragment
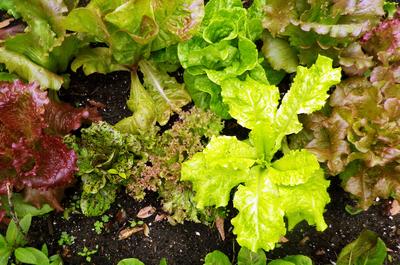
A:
395	207
146	230
160	217
283	240
127	232
146	212
219	224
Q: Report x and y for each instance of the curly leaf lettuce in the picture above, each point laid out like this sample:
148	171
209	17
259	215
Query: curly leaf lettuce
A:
293	186
222	49
224	158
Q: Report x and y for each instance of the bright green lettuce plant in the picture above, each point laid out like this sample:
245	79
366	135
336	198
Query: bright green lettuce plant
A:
223	48
247	257
270	189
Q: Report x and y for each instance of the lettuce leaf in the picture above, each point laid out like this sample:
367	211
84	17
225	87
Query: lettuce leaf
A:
132	29
222	49
225	158
19	64
158	89
356	135
367	249
383	42
306	29
270	190
44	47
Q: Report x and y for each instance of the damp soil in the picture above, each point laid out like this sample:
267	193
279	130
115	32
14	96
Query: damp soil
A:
188	244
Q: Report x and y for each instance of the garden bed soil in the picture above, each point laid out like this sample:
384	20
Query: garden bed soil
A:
189	243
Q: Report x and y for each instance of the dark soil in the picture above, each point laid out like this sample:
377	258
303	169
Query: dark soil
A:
180	244
112	90
189	243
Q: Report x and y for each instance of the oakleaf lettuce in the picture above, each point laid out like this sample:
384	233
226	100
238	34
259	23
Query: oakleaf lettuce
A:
305	29
292	186
357	133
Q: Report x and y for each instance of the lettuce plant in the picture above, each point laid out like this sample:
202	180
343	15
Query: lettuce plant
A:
140	36
106	159
44	47
33	157
357	134
300	30
223	48
109	159
270	188
247	257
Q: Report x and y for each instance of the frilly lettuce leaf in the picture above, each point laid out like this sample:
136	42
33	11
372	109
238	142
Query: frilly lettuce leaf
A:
307	94
44	42
293	186
168	95
279	53
383	42
354	61
295	168
206	94
306	201
222	49
89	21
143	108
250	102
223	164
325	137
259	204
45	37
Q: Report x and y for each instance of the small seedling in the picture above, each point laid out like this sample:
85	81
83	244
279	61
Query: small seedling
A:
105	218
98	227
66	239
133	223
73	208
87	253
